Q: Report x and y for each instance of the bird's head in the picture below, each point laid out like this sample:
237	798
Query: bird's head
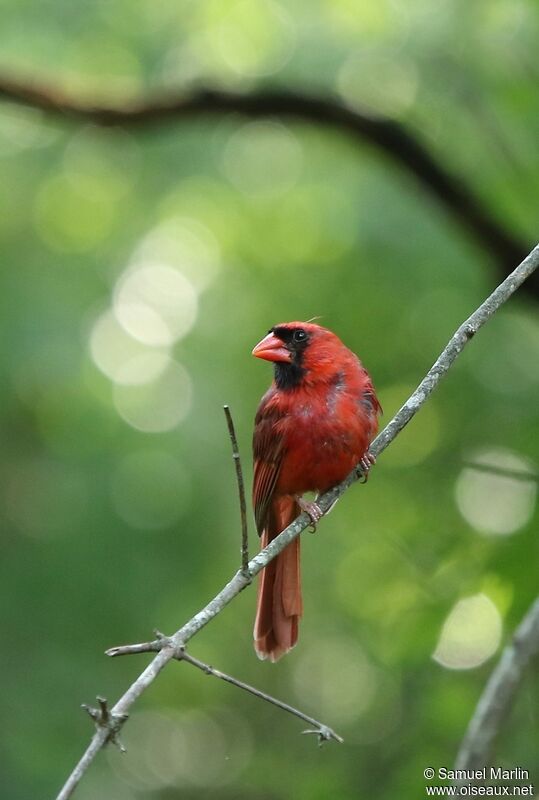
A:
301	351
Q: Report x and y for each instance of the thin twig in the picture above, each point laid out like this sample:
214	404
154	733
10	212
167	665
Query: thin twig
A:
324	732
236	585
530	476
241	492
387	135
499	693
133	649
99	739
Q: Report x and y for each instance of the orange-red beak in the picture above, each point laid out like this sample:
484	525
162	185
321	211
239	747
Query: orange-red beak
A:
271	348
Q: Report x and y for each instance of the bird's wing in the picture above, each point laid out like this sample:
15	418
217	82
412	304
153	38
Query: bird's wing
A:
268	452
369	401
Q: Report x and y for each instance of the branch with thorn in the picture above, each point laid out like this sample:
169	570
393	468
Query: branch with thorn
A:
324	732
242	578
104	719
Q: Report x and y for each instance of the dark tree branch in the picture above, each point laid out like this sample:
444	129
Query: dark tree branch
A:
170	646
241	492
497	699
392	138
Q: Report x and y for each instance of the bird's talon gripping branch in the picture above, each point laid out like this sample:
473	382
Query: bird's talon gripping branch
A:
365	464
313	510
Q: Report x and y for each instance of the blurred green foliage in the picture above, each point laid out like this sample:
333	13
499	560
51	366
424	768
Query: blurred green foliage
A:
139	269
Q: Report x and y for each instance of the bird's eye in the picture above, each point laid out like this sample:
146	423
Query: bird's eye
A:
299	335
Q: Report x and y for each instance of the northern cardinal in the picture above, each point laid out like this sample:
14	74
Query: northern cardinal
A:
312	427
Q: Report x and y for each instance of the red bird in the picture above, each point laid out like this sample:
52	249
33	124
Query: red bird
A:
313	426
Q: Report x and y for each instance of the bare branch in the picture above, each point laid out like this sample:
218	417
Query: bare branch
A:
241	493
443	363
99	740
499	693
400	144
120	713
323	732
132	649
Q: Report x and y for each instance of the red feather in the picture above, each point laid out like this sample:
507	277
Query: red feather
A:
313	425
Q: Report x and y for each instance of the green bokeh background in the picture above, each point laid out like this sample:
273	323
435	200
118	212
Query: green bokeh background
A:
110	531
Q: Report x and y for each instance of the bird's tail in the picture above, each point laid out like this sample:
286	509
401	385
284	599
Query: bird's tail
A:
279	606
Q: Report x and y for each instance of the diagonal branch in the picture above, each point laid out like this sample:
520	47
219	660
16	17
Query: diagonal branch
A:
324	732
442	364
495	703
391	137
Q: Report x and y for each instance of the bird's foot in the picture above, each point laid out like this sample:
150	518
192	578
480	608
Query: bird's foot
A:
312	509
365	463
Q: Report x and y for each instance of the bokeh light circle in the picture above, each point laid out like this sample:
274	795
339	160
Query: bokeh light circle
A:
74	213
155	304
120	357
184	244
189	748
496	504
471	634
263	159
368	79
254	38
158	406
314	679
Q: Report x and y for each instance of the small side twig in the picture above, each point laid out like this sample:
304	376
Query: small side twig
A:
133	649
499	693
241	493
324	732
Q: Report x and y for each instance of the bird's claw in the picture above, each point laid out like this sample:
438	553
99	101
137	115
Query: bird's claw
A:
365	463
313	510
